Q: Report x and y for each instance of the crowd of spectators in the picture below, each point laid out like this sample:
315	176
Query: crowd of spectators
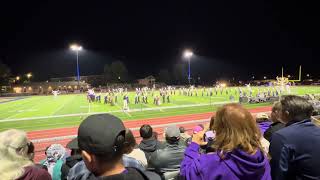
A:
234	145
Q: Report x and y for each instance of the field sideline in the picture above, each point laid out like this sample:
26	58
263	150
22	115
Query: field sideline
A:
47	112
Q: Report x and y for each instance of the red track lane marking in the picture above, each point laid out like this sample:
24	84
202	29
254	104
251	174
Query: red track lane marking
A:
68	131
129	124
42	145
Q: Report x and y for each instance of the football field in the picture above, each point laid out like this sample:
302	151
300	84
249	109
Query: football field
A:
48	112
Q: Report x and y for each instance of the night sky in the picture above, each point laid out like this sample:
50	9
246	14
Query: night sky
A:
229	38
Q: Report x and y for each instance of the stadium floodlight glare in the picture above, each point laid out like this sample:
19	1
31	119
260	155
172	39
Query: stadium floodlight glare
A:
77	48
264	77
188	54
29	75
223	85
308	75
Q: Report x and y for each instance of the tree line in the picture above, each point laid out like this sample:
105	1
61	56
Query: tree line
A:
117	72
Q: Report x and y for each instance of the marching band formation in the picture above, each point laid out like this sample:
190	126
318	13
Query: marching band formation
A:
163	95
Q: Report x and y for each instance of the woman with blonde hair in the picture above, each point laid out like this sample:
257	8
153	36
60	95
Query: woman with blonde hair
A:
16	154
238	152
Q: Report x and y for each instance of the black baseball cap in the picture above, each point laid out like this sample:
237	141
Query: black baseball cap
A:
97	133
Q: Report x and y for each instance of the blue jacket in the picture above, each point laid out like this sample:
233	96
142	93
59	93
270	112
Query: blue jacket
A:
295	151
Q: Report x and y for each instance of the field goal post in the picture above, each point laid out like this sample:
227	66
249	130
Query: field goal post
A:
283	81
292	80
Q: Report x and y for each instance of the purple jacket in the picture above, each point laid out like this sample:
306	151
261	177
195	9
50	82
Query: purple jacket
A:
235	165
263	126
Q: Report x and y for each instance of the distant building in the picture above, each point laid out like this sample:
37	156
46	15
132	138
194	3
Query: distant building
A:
74	78
93	80
47	87
147	81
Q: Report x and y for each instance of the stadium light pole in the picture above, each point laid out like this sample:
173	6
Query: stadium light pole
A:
77	48
188	54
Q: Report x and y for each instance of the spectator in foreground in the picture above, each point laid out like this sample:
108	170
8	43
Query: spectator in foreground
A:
316	120
183	134
197	129
71	160
149	143
238	155
295	149
16	157
169	158
275	118
263	122
185	138
101	139
133	157
56	155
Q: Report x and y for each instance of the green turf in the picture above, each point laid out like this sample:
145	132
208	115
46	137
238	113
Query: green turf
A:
77	106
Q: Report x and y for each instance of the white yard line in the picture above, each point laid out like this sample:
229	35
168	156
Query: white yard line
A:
62	106
89	108
22	111
126	112
90	113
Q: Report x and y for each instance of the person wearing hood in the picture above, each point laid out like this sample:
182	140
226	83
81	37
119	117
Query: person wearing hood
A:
238	154
149	143
55	157
71	160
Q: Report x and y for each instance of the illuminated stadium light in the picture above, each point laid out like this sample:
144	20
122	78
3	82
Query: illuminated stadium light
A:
264	77
223	85
29	75
75	47
188	54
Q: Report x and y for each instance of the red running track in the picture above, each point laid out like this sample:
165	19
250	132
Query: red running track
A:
55	133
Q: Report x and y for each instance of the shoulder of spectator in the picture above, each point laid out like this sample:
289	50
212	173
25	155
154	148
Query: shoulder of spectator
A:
288	131
278	136
43	174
